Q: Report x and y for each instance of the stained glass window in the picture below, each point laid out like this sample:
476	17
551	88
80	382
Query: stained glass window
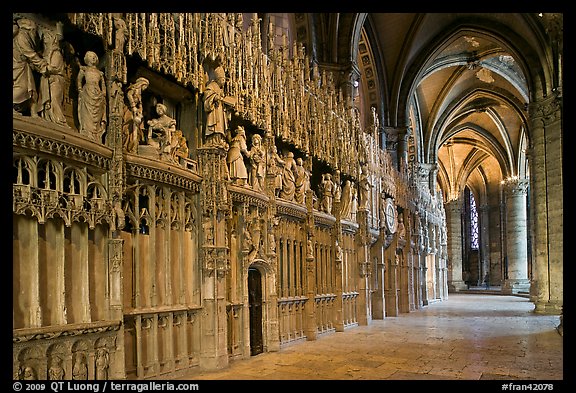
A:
473	223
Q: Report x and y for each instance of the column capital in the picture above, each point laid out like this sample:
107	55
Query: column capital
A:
547	110
515	186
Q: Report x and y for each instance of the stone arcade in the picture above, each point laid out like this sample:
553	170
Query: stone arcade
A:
189	189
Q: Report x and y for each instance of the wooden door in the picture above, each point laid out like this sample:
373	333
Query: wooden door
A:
255	306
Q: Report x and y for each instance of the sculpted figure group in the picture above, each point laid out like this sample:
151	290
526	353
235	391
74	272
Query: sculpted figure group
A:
247	166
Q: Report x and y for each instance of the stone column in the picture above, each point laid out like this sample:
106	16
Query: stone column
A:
378	294
392	139
364	269
310	324
272	246
215	256
403	135
338	258
310	305
546	202
338	303
454	245
116	78
391	290
515	191
484	242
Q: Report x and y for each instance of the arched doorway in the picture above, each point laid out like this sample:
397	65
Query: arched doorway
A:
255	307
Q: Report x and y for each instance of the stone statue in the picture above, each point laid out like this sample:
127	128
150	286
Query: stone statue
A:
247	244
25	61
132	125
309	249
80	369
354	203
51	98
401	230
288	179
180	144
160	130
339	254
275	165
29	374
326	193
375	121
91	98
235	159
56	372
337	194
346	200
216	105
258	163
120	34
300	181
365	188
102	364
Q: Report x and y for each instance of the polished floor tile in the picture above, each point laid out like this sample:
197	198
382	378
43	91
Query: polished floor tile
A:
467	337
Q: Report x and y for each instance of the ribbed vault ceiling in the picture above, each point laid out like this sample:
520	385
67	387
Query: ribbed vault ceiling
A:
469	89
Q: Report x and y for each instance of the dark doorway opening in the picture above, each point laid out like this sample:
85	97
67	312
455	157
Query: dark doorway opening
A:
255	306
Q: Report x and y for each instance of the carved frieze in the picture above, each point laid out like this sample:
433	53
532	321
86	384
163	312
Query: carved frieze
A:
165	175
51	332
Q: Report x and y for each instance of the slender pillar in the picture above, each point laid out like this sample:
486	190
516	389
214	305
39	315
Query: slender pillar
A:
215	257
516	237
484	216
454	245
338	258
378	302
310	305
546	203
365	271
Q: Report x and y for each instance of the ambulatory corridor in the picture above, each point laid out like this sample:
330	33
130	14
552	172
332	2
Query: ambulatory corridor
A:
467	337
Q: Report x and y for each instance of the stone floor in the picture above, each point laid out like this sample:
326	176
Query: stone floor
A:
468	337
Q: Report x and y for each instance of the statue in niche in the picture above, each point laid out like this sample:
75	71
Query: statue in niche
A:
91	98
255	232
288	179
238	149
25	61
160	131
51	97
208	230
309	249
346	200
120	33
29	374
300	181
56	371
180	144
375	121
365	187
275	168
217	106
401	230
382	209
247	243
132	127
339	254
326	193
271	238
354	203
337	194
80	368
102	364
258	163
271	243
